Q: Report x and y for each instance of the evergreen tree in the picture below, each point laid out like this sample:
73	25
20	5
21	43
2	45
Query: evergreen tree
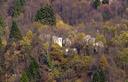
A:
15	33
18	6
96	3
2	25
1	43
99	76
24	78
33	70
46	15
105	2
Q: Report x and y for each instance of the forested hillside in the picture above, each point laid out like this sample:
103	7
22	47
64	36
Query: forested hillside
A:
63	40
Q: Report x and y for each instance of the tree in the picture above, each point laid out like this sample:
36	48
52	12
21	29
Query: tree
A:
2	25
109	29
32	71
96	3
99	76
101	38
1	43
126	80
122	59
15	33
24	78
105	1
27	39
78	80
46	15
123	56
18	5
106	15
80	63
56	73
103	62
121	40
56	52
78	41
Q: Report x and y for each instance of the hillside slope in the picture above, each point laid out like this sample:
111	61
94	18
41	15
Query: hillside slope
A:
63	41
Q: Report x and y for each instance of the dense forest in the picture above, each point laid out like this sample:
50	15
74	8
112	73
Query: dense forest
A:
63	40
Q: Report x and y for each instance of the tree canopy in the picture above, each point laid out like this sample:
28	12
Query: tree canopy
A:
15	33
46	15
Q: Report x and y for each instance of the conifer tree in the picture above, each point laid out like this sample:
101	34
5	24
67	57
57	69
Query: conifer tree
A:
99	76
46	15
2	25
24	78
18	6
15	33
33	70
105	2
96	3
